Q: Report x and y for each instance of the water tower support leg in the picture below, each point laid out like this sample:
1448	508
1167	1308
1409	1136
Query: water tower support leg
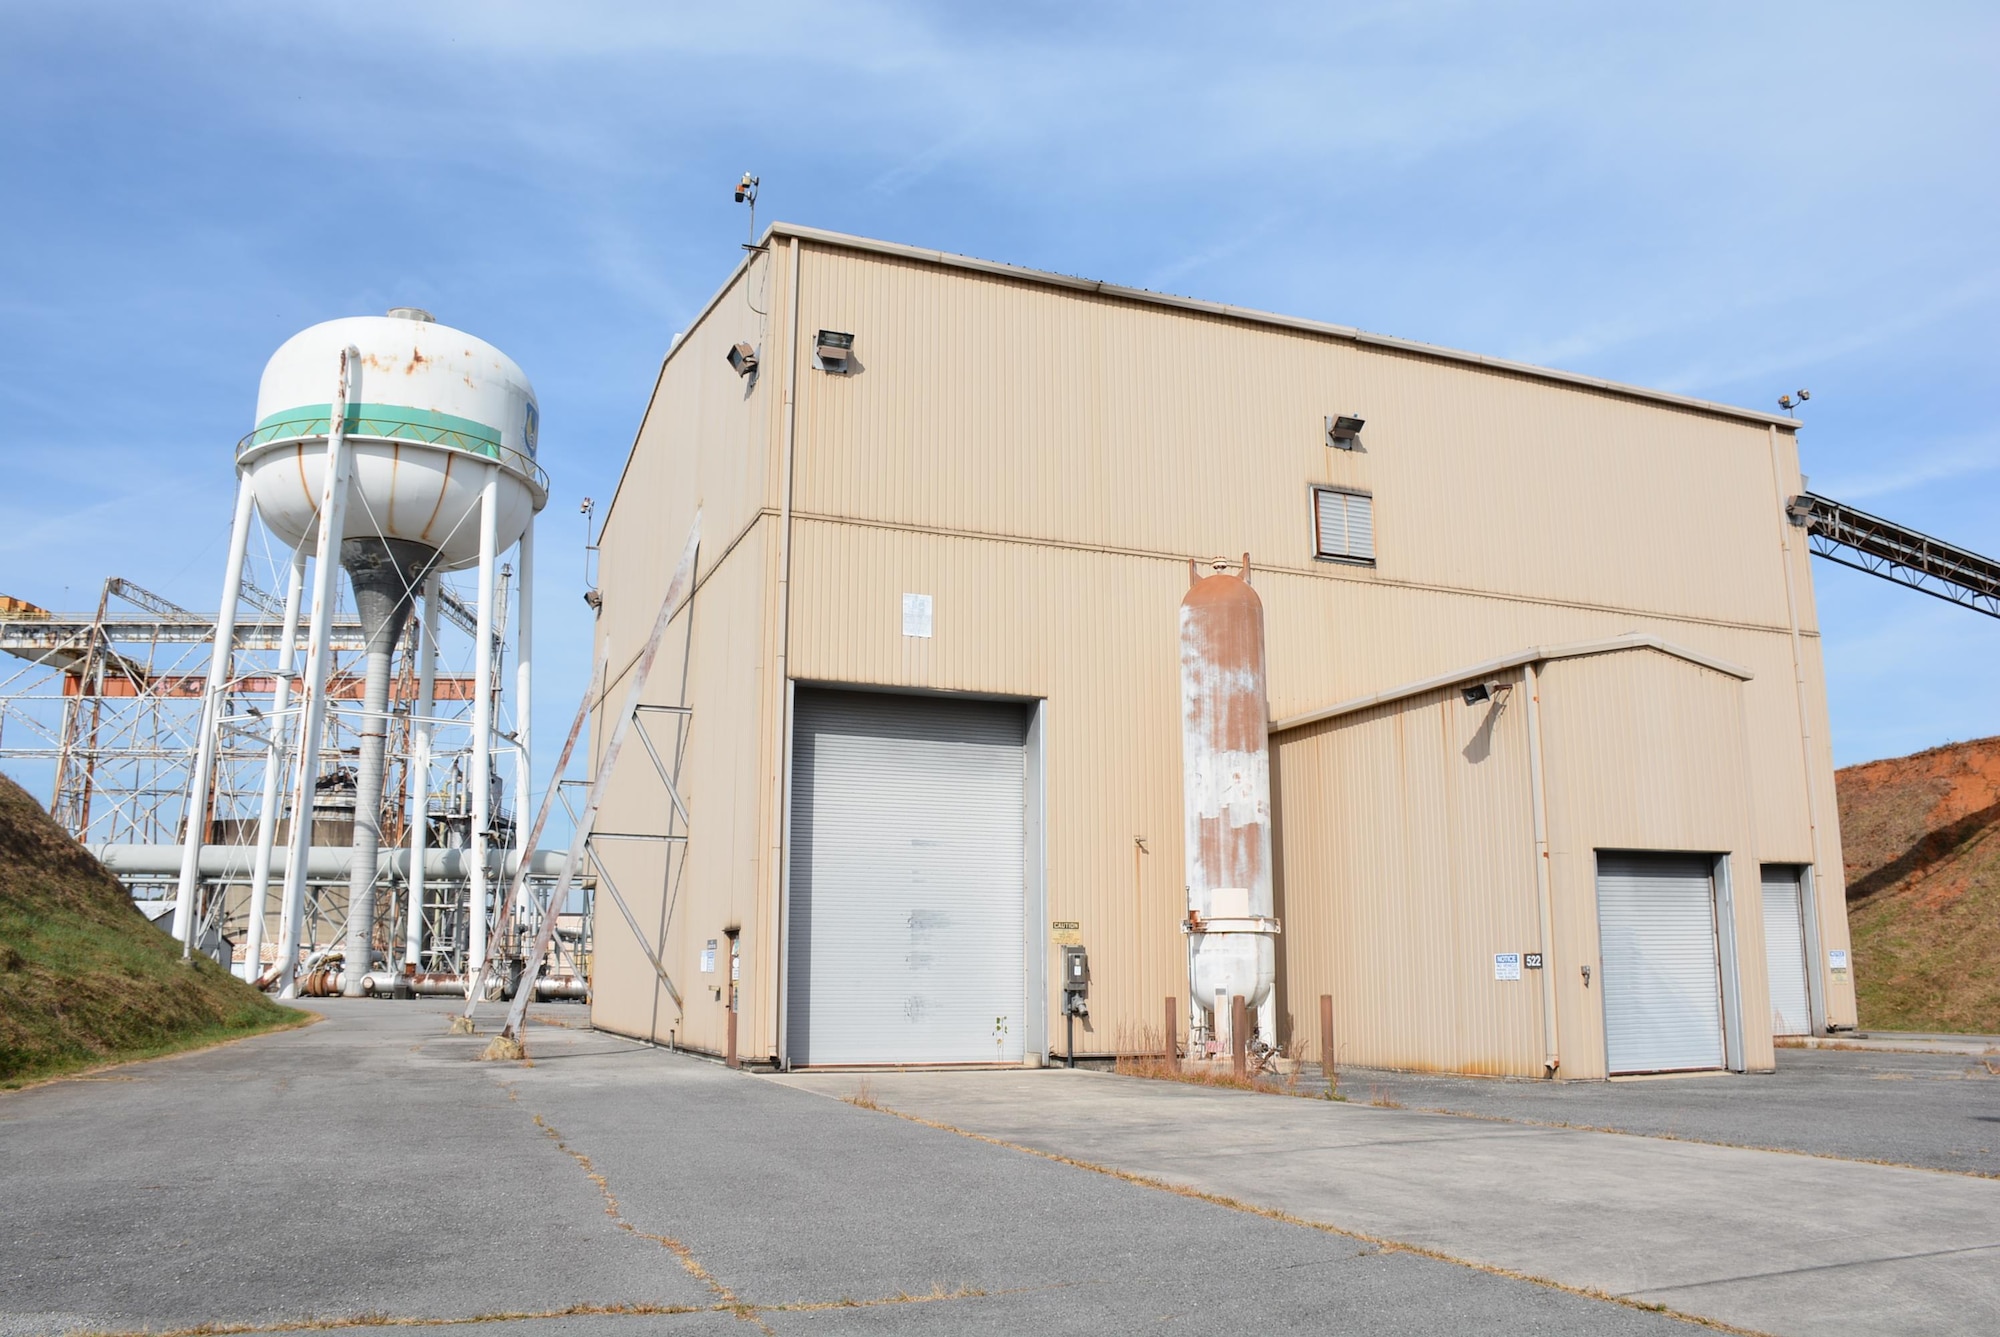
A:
220	660
524	645
482	721
420	774
274	766
319	661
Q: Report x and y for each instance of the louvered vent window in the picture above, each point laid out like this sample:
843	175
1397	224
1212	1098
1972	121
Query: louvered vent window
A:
1344	525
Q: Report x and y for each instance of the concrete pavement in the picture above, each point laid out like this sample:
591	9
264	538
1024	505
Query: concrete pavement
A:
370	1165
1765	1240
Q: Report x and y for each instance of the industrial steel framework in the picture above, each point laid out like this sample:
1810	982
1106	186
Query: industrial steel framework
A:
1852	537
106	706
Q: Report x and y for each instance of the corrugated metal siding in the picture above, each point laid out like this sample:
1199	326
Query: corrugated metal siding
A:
1406	861
706	443
997	406
1645	752
1043	462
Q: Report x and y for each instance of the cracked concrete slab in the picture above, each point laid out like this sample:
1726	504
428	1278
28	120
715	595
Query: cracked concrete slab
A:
1776	1242
370	1165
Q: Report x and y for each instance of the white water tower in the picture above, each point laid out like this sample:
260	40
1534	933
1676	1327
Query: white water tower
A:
395	448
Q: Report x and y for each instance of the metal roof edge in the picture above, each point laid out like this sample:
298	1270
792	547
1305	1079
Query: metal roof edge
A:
1253	316
1534	654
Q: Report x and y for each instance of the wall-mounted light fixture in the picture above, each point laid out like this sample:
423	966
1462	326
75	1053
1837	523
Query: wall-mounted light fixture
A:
1474	693
744	358
1343	431
833	351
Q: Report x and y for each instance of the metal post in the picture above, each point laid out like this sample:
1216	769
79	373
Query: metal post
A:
1326	1050
1545	897
482	721
420	774
524	628
274	768
1172	1050
319	660
220	660
1239	1034
1069	1035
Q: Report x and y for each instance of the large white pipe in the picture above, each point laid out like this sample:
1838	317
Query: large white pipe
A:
233	863
482	718
420	773
274	766
319	660
220	661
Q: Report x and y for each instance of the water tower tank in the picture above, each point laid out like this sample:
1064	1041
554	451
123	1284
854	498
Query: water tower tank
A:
428	405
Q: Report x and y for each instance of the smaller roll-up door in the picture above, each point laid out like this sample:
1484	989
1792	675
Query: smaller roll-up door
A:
1662	977
1785	951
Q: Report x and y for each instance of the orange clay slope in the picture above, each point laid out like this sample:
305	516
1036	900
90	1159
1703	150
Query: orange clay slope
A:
1921	837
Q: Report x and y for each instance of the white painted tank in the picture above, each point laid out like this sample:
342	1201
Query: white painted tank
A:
1226	782
429	404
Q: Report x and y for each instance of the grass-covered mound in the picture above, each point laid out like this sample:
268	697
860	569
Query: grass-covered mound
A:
1921	836
84	979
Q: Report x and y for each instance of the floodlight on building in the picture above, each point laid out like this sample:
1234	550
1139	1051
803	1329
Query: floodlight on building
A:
832	351
746	189
744	358
1474	693
1343	431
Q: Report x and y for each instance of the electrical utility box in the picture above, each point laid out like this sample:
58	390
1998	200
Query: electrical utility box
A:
1076	970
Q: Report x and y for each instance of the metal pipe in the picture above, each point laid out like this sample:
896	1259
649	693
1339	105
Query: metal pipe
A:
1805	732
1172	1052
524	628
1544	896
385	573
235	863
782	762
274	769
319	655
420	773
220	661
482	717
1239	1037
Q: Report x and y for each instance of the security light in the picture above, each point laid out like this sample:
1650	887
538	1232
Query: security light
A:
746	189
832	349
744	358
1343	431
1475	693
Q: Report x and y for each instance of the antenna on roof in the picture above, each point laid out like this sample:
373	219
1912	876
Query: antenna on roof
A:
746	193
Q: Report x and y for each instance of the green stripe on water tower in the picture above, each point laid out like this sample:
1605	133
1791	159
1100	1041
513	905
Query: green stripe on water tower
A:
399	421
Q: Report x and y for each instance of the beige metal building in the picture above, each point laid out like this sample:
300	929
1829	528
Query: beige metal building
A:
1550	767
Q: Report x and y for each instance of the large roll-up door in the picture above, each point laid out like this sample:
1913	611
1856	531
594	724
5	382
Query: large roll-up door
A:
1785	951
1662	980
906	880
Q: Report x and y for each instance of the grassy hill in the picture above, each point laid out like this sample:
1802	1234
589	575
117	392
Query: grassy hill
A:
84	979
1921	838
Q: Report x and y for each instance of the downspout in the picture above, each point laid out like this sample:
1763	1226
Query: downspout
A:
1552	1059
1811	915
781	770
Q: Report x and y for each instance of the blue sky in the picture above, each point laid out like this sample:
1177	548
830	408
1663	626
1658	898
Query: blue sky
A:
1726	200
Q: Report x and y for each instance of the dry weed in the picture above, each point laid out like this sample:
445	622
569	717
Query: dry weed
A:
864	1096
501	1049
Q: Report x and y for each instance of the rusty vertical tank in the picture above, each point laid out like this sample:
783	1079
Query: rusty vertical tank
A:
1226	784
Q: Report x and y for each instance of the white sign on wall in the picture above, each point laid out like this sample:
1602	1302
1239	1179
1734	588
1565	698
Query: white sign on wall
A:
708	958
1506	965
917	615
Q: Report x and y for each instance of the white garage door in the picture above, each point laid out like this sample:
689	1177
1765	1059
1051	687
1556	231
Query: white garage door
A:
1662	982
1785	951
906	872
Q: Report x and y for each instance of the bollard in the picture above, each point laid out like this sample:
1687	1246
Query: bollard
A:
1326	1038
1172	1054
1239	1036
729	1057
